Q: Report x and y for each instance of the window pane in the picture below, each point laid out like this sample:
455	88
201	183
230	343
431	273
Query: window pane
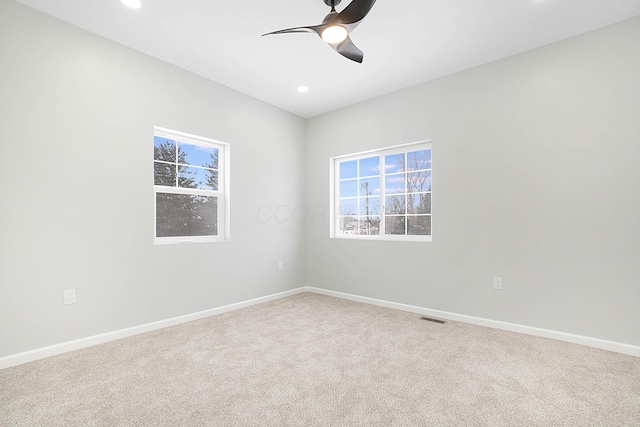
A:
187	177
394	163
211	179
419	203
164	149
348	169
186	215
348	206
349	188
348	225
394	225
419	160
370	187
369	226
419	225
369	206
191	177
418	182
370	166
395	205
394	183
164	174
198	155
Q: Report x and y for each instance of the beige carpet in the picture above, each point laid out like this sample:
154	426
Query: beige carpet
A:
312	360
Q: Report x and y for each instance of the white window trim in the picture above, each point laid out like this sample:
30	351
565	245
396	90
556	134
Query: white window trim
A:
224	205
334	190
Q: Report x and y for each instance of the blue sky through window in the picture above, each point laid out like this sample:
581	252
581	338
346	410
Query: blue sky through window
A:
197	155
370	186
159	141
348	169
349	188
419	160
370	166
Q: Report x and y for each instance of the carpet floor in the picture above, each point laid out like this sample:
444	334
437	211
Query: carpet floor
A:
314	360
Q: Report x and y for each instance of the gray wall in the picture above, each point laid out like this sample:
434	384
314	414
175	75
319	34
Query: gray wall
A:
536	178
76	187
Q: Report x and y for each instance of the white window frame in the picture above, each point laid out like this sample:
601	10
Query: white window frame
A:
334	192
222	193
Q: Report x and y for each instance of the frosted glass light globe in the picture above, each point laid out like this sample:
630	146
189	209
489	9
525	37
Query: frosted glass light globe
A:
334	34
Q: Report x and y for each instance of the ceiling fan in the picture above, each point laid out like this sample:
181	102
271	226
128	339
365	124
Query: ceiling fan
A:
336	27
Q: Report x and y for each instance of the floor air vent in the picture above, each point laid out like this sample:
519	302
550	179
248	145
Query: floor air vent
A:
430	319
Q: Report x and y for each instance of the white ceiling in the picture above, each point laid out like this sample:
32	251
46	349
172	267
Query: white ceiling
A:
405	42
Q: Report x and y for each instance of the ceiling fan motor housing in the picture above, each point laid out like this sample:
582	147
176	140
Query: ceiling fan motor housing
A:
332	2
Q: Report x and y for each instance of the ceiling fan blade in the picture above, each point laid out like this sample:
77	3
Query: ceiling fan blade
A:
315	29
349	50
355	12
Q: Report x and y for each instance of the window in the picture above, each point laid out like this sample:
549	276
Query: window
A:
383	194
191	188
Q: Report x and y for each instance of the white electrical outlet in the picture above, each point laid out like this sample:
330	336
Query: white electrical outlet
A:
70	296
280	265
497	283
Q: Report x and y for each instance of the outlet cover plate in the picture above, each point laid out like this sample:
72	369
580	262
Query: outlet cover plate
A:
70	296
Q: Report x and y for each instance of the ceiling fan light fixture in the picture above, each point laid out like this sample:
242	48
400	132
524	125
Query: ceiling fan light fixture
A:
334	34
336	27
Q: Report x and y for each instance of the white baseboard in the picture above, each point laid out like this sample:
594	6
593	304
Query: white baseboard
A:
528	330
41	353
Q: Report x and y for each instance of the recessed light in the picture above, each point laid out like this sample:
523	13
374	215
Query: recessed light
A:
133	4
303	89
